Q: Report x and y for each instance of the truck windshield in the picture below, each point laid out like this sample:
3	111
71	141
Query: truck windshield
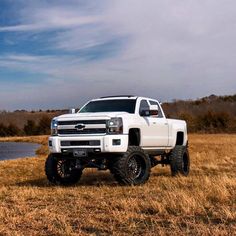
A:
126	105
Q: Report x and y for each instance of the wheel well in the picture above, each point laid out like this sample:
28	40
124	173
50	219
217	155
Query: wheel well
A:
180	138
134	137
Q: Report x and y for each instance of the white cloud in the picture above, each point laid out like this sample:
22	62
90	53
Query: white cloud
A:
173	49
49	18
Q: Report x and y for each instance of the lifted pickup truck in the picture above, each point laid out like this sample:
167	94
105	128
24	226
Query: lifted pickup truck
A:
126	134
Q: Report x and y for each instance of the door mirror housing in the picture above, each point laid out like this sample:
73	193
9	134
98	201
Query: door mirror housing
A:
152	111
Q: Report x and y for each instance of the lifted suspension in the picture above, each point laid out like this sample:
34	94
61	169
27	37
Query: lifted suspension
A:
160	160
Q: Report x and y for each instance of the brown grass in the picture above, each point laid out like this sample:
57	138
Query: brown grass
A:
202	204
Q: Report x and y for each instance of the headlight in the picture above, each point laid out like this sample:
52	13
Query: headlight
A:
54	126
115	126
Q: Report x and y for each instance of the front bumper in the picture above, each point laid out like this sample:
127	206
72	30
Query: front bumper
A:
105	143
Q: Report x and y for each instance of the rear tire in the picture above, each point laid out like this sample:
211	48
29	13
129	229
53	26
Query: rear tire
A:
133	168
179	161
61	171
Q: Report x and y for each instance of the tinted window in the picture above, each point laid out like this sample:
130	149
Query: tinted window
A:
153	103
127	105
143	106
160	115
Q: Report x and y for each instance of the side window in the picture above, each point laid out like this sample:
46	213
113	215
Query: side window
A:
160	115
143	106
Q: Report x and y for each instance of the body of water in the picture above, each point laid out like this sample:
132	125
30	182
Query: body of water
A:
14	150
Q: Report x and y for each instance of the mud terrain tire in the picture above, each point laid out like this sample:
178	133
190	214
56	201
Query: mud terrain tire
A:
179	161
58	171
132	168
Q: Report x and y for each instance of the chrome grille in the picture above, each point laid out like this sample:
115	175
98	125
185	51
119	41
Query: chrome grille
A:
75	122
88	127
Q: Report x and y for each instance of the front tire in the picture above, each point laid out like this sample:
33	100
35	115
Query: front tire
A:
133	168
179	161
61	171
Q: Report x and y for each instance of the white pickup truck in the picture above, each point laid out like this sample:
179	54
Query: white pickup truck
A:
126	134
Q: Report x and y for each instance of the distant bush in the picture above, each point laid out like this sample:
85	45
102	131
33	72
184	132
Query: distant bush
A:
212	121
10	130
3	130
30	128
231	98
13	130
199	102
44	125
212	114
190	121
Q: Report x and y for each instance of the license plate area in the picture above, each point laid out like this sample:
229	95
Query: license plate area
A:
80	153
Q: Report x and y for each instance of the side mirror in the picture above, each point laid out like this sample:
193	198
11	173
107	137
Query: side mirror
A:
72	111
153	110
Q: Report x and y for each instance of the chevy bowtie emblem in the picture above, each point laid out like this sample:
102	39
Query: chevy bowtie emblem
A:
80	126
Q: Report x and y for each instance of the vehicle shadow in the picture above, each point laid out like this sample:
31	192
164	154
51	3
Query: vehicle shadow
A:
101	179
160	174
90	178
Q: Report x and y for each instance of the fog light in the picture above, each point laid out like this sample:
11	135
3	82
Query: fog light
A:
50	143
97	150
116	142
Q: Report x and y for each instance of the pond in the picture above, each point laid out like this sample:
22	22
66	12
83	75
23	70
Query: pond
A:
14	150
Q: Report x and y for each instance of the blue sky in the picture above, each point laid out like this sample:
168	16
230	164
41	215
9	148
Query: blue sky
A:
59	54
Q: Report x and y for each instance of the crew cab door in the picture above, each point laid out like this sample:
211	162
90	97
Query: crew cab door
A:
154	131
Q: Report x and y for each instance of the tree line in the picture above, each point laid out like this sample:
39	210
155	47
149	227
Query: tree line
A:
42	127
210	122
212	114
207	122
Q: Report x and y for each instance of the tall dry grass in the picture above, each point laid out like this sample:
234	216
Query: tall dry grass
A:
202	204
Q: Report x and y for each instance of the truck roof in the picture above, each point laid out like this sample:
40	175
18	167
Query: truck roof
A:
114	96
122	97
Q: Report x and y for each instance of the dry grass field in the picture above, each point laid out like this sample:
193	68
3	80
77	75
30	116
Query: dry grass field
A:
202	204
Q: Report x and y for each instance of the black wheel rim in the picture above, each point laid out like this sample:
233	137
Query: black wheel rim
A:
63	168
134	167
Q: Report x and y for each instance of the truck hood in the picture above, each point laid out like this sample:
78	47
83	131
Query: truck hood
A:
91	116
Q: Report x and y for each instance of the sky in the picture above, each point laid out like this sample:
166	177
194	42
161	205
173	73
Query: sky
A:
61	53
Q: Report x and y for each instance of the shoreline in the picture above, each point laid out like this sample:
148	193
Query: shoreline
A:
42	140
15	150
